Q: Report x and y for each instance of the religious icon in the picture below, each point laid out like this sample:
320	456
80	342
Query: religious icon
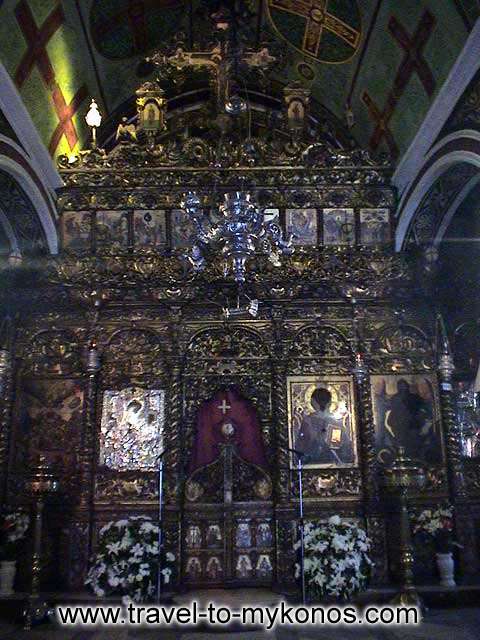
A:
194	568
214	536
214	568
263	568
406	415
131	430
149	228
338	226
321	420
151	115
302	225
375	226
243	567
243	536
194	537
111	229
183	231
264	535
76	227
296	114
51	411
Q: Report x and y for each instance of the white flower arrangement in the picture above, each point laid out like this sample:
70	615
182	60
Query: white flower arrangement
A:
127	560
437	524
13	529
337	562
431	521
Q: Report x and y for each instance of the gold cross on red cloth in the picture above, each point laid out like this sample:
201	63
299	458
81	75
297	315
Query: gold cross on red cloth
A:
224	406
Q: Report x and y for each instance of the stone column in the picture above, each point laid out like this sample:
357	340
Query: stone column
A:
368	455
172	435
81	526
283	575
465	533
173	441
374	515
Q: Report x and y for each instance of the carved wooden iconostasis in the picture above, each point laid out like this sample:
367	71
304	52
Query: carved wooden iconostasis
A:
123	352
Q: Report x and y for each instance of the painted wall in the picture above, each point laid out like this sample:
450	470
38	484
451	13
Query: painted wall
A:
387	58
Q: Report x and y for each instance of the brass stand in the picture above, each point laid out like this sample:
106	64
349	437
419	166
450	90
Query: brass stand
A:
40	485
403	476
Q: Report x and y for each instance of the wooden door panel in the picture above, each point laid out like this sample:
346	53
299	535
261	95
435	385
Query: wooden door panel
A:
228	524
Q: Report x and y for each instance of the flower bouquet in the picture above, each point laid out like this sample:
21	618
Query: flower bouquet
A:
126	562
13	529
337	562
437	524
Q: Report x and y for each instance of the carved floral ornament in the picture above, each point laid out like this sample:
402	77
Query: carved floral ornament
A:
231	344
320	342
196	152
361	274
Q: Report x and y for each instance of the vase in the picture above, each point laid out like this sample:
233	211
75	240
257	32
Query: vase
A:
7	577
446	568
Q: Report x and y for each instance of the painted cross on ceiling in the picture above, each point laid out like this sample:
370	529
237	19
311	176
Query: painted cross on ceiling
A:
317	19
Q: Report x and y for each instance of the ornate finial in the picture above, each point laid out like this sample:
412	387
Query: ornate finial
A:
404	473
443	343
43	477
446	366
360	369
93	358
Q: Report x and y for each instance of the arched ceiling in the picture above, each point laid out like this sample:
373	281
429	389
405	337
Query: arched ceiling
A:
387	59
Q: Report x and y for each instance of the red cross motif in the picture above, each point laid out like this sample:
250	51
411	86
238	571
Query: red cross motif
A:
318	18
381	121
413	62
65	113
413	47
37	40
136	16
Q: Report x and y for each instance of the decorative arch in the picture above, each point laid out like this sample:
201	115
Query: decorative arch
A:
459	148
320	341
16	164
133	352
52	351
236	342
395	340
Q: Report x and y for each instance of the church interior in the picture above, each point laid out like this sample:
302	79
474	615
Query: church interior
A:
240	311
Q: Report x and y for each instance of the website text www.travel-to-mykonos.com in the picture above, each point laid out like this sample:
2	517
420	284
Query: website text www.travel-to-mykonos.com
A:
281	614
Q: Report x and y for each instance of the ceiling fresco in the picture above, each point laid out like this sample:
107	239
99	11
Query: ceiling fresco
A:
384	58
324	31
123	29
